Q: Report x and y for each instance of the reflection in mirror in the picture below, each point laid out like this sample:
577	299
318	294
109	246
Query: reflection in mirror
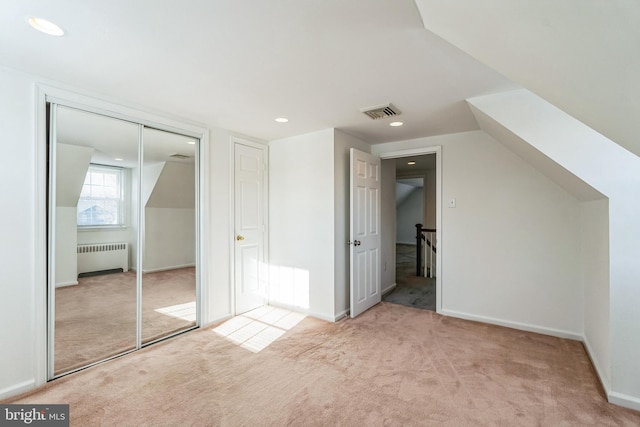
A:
169	200
99	210
93	248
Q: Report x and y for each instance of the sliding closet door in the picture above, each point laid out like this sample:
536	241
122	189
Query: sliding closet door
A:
122	237
92	238
169	234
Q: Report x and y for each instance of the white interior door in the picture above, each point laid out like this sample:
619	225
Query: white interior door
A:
250	227
364	231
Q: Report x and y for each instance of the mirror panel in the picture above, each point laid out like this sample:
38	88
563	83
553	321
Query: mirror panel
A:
92	289
169	260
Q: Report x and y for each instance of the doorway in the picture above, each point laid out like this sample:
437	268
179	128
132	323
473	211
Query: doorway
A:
122	225
416	255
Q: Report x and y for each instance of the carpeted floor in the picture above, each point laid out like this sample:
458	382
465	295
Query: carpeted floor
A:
97	318
392	366
411	290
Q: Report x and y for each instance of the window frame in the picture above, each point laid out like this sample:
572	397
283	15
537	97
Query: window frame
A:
122	200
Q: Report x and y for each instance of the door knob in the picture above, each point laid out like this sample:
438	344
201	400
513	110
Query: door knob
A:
356	243
239	237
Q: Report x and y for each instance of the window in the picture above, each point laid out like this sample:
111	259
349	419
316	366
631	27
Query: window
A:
101	201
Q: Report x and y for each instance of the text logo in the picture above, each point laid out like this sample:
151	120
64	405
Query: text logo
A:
34	415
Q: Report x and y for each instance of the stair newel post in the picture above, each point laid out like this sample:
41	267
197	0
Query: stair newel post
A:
418	249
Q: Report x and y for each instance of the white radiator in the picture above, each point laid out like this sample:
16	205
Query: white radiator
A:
103	256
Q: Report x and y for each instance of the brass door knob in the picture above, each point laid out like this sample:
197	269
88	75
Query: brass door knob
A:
239	237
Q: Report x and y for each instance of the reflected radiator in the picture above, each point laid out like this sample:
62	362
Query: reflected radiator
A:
103	256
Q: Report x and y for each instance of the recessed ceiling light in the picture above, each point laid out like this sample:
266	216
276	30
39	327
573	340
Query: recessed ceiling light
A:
191	142
411	163
394	124
282	120
119	159
46	27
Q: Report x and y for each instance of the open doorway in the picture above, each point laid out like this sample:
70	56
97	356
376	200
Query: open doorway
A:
415	242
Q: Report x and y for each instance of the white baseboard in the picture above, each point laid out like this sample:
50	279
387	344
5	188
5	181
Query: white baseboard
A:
341	315
389	288
407	243
17	389
64	284
514	325
321	316
624	400
217	320
613	397
175	267
600	372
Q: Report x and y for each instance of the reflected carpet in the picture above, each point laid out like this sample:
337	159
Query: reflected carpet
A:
96	319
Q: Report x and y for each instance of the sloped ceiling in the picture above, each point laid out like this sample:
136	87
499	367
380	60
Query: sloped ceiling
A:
583	56
239	64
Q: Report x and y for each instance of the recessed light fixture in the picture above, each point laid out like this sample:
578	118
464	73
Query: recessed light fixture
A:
282	120
119	159
395	124
411	163
46	27
191	142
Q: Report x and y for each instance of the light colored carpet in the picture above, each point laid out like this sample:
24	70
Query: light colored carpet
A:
392	365
97	318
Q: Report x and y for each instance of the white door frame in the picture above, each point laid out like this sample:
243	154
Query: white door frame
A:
94	103
232	214
437	150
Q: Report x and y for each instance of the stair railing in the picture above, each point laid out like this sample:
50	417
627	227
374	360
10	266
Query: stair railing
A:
425	251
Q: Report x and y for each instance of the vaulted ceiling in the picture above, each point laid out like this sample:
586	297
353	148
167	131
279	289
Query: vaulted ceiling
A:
583	56
239	64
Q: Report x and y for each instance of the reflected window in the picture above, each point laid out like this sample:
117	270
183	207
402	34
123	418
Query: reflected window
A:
101	202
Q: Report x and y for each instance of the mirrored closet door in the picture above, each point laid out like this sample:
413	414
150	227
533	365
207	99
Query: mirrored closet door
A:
122	236
169	216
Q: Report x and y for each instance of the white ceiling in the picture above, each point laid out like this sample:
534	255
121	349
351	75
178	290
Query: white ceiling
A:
422	163
238	64
113	138
583	56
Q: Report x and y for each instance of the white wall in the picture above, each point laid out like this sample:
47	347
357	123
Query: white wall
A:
219	239
430	198
388	224
594	221
150	175
170	239
72	163
170	219
511	247
551	139
302	218
409	213
22	358
17	228
66	265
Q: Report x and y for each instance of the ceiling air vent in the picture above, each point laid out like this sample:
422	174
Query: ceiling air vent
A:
381	111
179	156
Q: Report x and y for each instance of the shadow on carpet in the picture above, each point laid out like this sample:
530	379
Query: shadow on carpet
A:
414	291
